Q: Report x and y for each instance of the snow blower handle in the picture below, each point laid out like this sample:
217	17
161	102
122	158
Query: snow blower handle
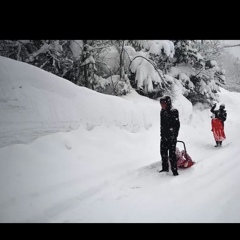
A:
183	145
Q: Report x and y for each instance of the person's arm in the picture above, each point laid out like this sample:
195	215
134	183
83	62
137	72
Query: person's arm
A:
160	124
163	127
213	107
175	123
223	116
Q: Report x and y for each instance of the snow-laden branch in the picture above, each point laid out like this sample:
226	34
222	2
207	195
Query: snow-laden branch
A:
89	60
95	48
127	55
77	44
54	46
104	43
162	77
43	49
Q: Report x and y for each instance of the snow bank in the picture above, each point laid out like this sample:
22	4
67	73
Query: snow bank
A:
36	103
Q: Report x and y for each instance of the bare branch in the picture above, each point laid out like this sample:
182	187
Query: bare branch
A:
64	43
227	46
45	63
199	72
66	72
53	56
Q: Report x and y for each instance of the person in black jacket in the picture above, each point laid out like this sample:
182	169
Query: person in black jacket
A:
220	114
169	129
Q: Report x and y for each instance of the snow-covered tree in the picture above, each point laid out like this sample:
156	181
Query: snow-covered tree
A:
231	64
206	76
209	49
152	67
146	66
152	73
46	54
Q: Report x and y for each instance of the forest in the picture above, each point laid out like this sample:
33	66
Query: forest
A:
152	67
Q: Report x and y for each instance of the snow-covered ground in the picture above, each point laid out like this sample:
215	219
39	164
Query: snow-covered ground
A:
69	154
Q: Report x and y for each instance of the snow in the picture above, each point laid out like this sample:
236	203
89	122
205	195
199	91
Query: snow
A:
182	68
146	72
76	47
166	45
72	155
110	56
182	104
90	59
213	63
183	77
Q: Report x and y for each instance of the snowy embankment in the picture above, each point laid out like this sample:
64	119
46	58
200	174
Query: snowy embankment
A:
40	158
34	103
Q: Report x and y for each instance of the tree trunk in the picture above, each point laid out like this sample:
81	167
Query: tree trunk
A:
121	61
85	66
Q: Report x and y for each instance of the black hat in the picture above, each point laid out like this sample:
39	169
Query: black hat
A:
222	106
167	100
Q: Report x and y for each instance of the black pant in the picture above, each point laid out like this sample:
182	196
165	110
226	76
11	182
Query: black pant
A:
168	150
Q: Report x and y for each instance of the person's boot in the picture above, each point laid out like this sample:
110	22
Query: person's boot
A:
174	167
175	172
165	166
220	143
217	144
164	170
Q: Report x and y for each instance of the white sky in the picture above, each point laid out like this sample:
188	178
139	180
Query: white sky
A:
72	155
235	51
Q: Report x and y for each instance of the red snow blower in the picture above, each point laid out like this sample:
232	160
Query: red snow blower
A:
183	159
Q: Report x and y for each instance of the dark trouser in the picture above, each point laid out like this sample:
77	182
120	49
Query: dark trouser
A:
168	149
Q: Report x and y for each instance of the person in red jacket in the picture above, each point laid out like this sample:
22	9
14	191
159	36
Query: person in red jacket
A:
218	119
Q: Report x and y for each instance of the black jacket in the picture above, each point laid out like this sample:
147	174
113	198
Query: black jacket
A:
170	124
220	114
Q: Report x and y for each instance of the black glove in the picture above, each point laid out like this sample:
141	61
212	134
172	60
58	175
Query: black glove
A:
214	105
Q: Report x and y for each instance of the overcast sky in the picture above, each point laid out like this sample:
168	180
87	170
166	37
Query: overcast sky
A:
233	50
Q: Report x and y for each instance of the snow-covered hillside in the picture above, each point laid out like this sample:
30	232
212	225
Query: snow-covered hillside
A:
69	154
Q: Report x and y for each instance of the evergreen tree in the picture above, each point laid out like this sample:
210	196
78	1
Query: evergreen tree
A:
152	67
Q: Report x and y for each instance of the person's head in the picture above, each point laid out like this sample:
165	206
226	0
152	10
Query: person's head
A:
222	107
166	102
178	153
